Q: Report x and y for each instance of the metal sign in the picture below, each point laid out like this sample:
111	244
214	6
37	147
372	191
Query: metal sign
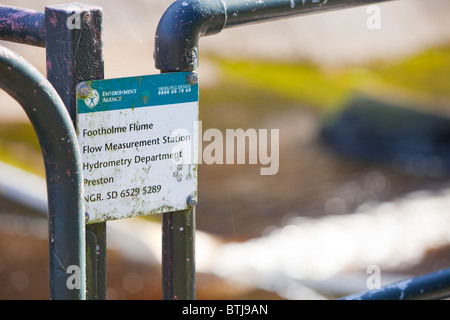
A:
138	141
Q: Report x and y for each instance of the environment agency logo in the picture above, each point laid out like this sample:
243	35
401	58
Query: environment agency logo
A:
92	98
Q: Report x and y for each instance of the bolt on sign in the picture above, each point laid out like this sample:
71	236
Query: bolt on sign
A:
138	141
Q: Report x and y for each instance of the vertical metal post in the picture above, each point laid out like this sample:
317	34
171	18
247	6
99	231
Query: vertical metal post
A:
178	252
75	54
178	255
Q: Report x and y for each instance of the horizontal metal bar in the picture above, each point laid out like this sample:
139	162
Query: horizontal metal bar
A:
22	26
241	12
185	21
432	286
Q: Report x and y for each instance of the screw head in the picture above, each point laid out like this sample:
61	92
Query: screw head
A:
191	201
193	78
83	89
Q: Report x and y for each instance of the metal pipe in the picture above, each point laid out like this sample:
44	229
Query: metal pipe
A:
178	255
180	28
432	286
22	26
185	21
176	50
241	12
62	159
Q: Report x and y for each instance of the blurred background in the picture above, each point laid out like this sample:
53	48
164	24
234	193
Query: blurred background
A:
364	157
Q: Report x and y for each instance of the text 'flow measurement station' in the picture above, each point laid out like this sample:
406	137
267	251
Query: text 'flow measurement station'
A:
139	143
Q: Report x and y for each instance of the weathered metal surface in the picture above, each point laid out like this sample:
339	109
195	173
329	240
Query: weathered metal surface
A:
75	54
62	160
22	26
179	30
184	22
246	12
178	255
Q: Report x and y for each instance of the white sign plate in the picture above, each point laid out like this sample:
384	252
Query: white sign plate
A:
138	141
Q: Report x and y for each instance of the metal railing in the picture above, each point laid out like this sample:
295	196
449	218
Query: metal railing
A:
72	55
62	159
75	55
176	49
185	22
